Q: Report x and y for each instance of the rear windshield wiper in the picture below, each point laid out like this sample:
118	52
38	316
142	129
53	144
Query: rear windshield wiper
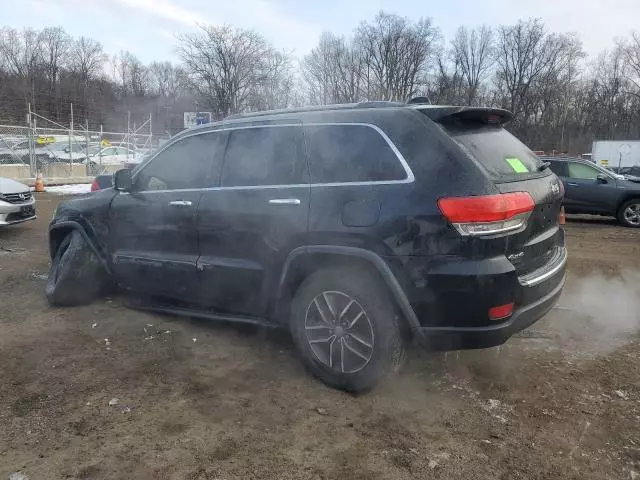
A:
544	166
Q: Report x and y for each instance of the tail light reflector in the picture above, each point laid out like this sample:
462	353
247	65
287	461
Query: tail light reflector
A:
488	214
95	185
501	312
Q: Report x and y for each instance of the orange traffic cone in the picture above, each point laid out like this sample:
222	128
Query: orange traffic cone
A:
561	218
39	183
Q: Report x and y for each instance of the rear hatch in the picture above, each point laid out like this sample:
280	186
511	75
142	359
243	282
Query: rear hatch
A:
513	167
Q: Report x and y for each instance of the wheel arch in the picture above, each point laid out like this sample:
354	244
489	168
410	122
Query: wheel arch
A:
303	261
626	198
60	230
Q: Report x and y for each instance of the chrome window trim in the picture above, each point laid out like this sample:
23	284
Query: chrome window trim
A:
410	178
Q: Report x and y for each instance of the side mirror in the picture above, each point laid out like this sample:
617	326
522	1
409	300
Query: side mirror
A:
602	178
122	180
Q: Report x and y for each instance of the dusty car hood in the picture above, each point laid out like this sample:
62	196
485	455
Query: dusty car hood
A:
11	186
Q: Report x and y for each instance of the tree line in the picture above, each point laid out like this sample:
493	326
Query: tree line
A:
561	99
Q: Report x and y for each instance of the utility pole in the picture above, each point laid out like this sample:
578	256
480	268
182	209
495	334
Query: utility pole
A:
30	138
128	132
86	129
70	148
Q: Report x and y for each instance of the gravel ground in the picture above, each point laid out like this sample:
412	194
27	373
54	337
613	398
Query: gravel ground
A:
105	392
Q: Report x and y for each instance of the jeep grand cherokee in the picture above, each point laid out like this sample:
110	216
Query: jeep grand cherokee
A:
357	227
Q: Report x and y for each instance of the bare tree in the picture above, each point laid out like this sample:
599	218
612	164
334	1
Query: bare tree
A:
473	51
526	55
167	80
610	87
85	60
398	54
447	85
631	50
274	89
224	65
55	44
21	56
333	71
139	83
132	75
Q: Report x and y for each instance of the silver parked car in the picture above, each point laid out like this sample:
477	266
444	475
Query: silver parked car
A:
16	202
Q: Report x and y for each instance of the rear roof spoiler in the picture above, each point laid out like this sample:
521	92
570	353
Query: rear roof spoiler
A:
441	114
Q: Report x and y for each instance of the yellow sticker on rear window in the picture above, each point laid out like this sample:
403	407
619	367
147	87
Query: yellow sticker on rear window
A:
517	165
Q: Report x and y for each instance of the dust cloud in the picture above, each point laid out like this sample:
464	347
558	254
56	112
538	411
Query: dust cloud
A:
597	313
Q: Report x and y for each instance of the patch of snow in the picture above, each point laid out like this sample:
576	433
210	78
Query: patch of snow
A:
77	189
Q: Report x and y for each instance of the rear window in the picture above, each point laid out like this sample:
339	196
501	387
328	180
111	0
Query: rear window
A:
497	150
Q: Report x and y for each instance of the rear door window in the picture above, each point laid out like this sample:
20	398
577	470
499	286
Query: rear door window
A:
350	153
265	156
497	150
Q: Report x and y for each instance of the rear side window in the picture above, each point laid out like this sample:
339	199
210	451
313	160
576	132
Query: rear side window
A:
350	153
264	156
497	150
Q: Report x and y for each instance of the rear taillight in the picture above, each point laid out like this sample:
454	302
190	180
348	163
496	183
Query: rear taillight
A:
95	185
488	214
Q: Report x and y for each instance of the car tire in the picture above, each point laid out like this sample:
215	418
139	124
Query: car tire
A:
360	354
76	276
629	213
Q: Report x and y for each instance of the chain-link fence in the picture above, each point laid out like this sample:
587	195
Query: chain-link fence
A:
58	153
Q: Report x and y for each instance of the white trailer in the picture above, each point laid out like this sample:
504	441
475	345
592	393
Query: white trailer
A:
616	153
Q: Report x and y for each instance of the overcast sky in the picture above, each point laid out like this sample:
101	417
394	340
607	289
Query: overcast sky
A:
147	27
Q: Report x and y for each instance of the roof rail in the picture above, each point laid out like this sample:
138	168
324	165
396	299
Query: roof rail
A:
379	104
317	108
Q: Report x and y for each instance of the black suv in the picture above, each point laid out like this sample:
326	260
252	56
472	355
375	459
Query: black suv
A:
596	190
357	227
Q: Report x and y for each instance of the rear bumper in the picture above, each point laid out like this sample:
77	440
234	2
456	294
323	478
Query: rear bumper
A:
462	338
455	316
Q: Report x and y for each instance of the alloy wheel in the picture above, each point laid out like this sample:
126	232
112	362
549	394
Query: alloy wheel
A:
632	214
339	332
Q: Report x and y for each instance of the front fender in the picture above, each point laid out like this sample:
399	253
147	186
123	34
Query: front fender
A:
59	228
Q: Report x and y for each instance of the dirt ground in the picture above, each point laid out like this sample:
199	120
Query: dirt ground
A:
201	400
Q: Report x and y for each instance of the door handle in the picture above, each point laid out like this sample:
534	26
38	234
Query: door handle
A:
284	201
180	203
572	184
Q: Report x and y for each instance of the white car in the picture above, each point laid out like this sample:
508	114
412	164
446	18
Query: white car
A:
16	202
116	156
